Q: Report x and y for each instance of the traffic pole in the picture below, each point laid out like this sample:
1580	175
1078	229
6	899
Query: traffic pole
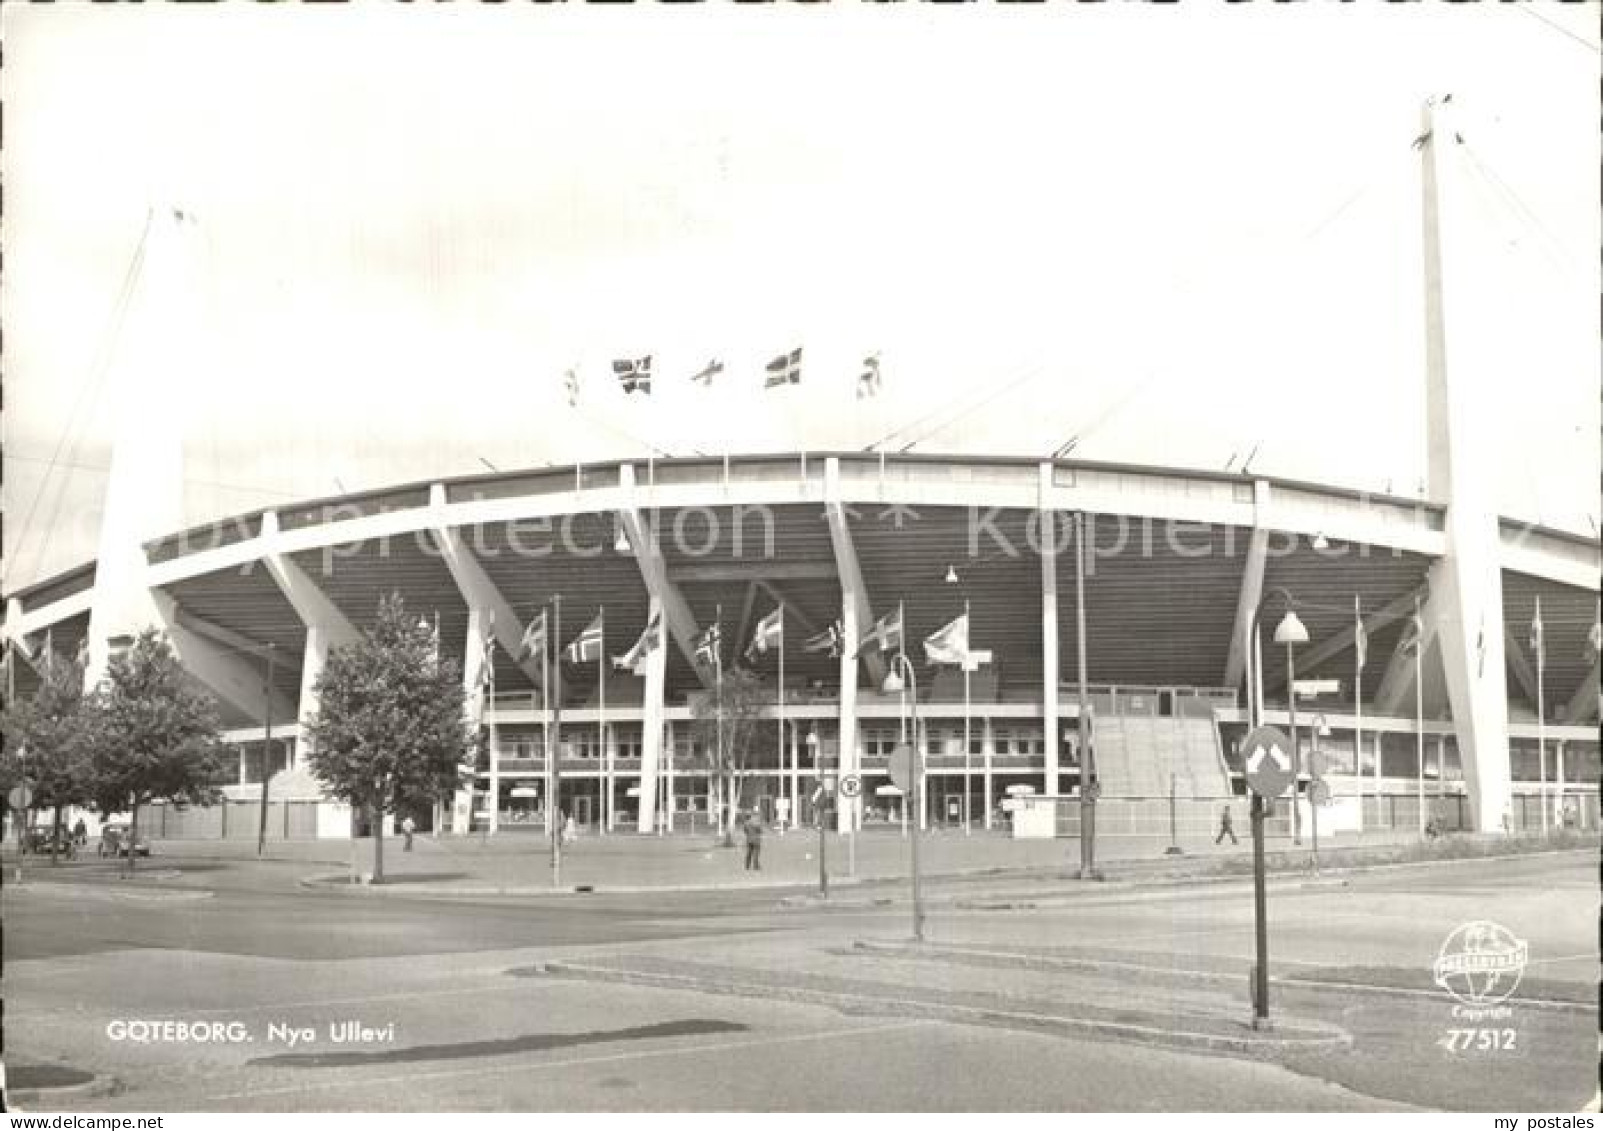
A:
1260	914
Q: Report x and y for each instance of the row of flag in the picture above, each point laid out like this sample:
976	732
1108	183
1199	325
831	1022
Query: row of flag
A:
948	644
1414	635
637	374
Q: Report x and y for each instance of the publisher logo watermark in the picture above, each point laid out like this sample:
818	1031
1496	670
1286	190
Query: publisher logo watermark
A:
1480	964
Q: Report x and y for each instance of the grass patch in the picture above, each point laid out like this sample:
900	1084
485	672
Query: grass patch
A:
1453	846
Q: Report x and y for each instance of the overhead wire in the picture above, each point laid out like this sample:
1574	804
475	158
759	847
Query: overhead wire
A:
92	383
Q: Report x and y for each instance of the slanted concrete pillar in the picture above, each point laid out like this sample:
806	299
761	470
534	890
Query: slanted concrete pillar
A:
149	389
1466	583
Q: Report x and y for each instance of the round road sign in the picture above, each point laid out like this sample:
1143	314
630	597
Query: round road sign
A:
1318	763
1319	793
1268	765
21	797
850	785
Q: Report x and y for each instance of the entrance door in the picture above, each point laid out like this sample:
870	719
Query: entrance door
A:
583	810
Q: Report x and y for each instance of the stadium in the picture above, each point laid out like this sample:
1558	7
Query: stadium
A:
1067	622
1173	569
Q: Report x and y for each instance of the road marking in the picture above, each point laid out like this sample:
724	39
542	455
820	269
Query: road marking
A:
610	1058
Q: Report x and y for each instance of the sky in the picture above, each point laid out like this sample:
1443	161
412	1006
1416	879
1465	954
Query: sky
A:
1177	234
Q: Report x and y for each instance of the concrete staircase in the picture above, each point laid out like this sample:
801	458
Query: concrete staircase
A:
1137	753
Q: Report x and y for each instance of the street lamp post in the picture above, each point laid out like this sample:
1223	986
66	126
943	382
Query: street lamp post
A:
893	685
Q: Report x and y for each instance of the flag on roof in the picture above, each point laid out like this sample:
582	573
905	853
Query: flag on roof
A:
709	646
1538	644
634	374
827	641
533	642
708	372
885	635
570	381
949	644
650	640
868	380
784	370
587	645
770	632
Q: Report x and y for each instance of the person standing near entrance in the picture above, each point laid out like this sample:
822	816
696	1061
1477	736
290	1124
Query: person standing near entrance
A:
408	827
753	829
1227	827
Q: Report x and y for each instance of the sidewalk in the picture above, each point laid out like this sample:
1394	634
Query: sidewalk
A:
979	865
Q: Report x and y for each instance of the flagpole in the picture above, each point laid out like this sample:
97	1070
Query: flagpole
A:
601	729
1358	704
545	722
492	822
1537	639
779	750
968	763
1419	713
553	755
726	784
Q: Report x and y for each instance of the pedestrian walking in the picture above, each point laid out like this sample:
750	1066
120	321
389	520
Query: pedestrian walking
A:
753	829
80	834
1227	827
570	831
408	827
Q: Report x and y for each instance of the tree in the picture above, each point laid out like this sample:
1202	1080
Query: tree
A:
738	704
49	738
391	726
155	736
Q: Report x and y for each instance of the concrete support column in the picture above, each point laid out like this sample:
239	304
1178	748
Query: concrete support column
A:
1049	638
609	778
473	687
651	726
671	791
988	750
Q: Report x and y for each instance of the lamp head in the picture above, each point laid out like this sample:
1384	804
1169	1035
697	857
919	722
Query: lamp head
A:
893	682
1320	542
1291	630
812	738
951	575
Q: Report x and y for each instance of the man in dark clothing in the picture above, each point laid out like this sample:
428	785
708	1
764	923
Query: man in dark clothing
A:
753	829
1226	827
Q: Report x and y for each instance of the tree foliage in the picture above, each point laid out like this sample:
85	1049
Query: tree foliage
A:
156	737
50	738
390	729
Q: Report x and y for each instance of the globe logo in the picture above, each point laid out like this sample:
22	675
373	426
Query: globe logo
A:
1480	963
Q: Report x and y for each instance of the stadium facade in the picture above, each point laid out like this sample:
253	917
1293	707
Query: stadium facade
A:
1451	668
1174	565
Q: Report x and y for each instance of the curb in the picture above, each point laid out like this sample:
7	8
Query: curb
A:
1283	880
341	882
99	1086
1312	1038
1012	960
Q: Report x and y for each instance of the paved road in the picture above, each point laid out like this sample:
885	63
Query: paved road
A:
259	951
